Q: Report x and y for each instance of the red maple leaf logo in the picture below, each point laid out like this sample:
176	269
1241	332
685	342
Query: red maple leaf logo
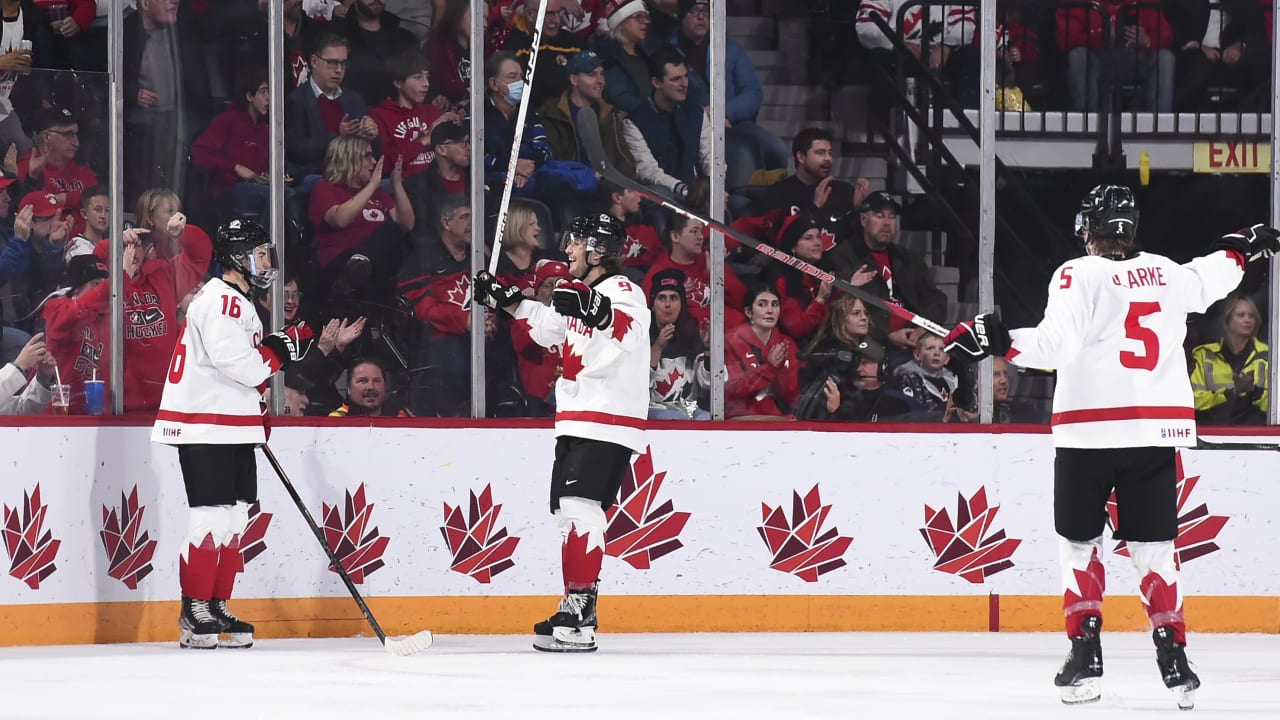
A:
828	240
1197	529
359	551
968	548
480	548
572	363
31	548
129	547
639	533
253	539
800	547
622	322
460	293
665	384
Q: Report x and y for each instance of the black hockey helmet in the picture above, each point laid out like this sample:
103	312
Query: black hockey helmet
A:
245	246
603	235
1108	211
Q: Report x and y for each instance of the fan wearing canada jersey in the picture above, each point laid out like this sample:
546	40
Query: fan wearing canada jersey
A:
1113	329
602	400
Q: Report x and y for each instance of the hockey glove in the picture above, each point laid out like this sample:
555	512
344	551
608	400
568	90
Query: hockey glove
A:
972	340
286	345
579	301
493	293
1258	242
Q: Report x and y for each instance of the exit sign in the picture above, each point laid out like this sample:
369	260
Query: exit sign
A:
1244	156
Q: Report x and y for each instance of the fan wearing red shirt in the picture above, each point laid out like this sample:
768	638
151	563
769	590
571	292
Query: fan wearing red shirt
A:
687	237
234	148
804	299
760	361
405	121
77	328
51	162
643	245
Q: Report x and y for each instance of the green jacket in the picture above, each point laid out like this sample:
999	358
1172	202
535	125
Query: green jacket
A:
563	134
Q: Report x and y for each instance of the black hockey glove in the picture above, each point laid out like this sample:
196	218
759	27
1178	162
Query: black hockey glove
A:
1258	242
287	345
972	340
493	293
580	301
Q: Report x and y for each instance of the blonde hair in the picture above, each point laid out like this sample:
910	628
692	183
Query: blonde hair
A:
519	218
1229	309
344	158
149	201
835	324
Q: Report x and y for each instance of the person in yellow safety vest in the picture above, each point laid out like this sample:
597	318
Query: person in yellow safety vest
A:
1229	377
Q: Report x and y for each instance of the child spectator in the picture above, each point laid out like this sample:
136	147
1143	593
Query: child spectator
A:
95	214
405	121
643	245
926	379
679	372
77	323
235	149
760	362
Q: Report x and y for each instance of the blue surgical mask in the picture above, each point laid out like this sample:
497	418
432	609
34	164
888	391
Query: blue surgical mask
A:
515	91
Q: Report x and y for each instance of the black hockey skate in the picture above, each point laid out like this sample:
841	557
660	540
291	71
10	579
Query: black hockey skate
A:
573	627
239	634
1080	679
1176	672
198	625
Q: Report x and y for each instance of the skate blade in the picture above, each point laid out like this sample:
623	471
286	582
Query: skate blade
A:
1185	697
191	641
236	641
1085	691
547	643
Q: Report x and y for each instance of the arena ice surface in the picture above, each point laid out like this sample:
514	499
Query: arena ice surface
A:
704	676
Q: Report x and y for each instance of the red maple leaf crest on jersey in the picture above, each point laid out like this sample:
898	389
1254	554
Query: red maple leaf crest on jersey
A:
665	384
638	532
622	323
828	240
968	548
800	546
460	293
359	550
480	548
1197	529
30	547
572	363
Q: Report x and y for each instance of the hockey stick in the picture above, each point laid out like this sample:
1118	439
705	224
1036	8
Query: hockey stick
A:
1202	444
589	131
509	185
410	645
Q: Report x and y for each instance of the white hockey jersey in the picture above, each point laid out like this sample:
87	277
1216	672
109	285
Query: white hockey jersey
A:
211	392
603	393
1113	330
945	24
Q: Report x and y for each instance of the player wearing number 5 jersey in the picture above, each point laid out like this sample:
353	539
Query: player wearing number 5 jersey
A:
211	410
1113	329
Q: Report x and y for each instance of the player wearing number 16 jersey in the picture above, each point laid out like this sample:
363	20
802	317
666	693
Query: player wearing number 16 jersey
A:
1113	329
211	410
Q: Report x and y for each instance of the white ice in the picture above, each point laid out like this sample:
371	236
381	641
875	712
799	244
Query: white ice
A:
812	675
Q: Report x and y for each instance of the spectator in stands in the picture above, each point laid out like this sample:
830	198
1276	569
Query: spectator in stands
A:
813	189
521	246
166	102
1220	44
1006	409
328	9
322	110
863	396
315	375
539	366
926	379
557	45
95	215
760	361
901	275
450	49
159	212
505	82
21	393
374	37
17	56
1139	50
940	36
1017	53
367	392
623	48
449	172
669	137
360	231
300	31
406	120
415	16
804	299
586	92
684	252
33	256
235	149
1229	378
679	370
51	164
77	323
643	245
835	346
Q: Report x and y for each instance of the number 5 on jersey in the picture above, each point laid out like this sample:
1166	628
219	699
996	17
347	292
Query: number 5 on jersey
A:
1134	330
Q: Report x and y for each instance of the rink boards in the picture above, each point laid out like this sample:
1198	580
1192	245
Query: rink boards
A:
741	528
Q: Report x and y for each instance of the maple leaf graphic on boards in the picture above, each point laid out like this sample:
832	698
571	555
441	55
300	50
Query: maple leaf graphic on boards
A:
31	548
1197	529
638	532
800	546
480	549
253	540
129	547
968	548
357	546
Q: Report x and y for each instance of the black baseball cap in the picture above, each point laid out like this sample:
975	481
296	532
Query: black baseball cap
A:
879	200
447	132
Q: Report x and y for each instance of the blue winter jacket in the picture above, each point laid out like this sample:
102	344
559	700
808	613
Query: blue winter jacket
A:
743	94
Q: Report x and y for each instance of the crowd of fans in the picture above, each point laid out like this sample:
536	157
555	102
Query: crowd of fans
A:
380	227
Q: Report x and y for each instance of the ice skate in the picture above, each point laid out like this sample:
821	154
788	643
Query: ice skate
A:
1176	672
237	632
199	628
572	628
1080	679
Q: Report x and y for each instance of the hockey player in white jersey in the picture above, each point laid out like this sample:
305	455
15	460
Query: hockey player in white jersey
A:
601	320
1113	328
211	410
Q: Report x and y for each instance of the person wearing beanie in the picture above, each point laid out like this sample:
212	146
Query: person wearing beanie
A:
679	375
623	47
77	327
804	299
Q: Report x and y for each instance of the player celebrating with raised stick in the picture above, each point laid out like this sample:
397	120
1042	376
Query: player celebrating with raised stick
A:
212	411
1113	329
602	399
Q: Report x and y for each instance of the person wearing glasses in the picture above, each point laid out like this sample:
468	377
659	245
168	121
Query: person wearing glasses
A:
51	164
321	110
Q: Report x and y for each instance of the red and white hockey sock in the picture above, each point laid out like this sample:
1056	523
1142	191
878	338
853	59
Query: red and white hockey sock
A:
230	564
1083	581
198	569
582	524
1157	566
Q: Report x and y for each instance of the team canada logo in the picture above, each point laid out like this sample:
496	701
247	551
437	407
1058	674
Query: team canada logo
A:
480	548
253	540
31	548
129	547
1197	529
639	533
800	546
968	547
356	544
460	293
